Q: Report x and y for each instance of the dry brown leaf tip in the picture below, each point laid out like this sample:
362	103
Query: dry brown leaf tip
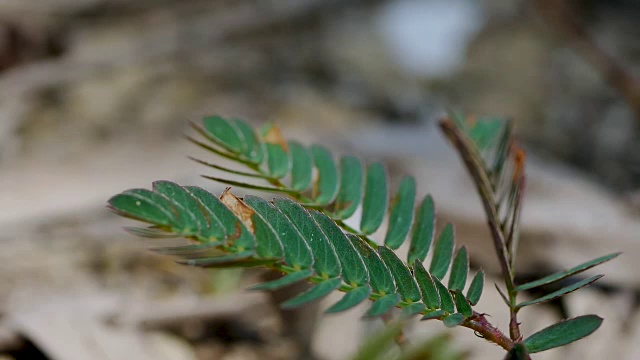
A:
273	135
239	208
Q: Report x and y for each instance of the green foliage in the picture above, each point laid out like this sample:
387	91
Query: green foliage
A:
562	333
306	238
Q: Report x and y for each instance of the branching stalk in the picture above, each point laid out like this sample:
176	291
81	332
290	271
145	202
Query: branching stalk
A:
506	254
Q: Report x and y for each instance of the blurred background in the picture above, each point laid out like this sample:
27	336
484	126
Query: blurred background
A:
96	94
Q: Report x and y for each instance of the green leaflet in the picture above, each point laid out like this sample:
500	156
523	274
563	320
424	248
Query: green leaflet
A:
326	184
186	249
223	133
252	146
209	205
485	132
565	274
354	271
475	289
565	290
286	280
374	204
459	269
188	207
442	253
326	262
462	304
446	301
562	333
350	193
401	213
423	231
383	305
405	283
145	205
297	253
350	299
228	170
251	186
380	277
277	161
150	232
412	309
268	243
433	315
218	260
301	166
453	320
428	288
320	290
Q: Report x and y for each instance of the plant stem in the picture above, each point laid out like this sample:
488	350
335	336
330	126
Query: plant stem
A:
474	164
483	185
483	328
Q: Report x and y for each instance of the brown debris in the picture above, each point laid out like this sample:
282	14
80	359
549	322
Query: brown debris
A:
239	208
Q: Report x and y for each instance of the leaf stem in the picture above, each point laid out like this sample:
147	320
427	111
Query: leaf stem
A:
484	329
